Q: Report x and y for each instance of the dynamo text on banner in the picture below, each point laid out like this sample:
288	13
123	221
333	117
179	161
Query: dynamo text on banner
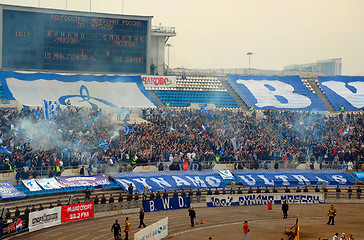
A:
263	199
166	204
44	219
169	180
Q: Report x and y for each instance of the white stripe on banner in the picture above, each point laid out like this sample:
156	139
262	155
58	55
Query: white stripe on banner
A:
156	231
264	198
44	219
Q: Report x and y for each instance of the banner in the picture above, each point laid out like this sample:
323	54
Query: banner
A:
96	91
44	219
32	185
48	183
156	231
291	178
360	175
8	191
76	212
153	81
169	180
344	91
83	181
166	204
278	92
264	198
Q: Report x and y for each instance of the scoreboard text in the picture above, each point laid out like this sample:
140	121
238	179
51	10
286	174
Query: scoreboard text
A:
46	41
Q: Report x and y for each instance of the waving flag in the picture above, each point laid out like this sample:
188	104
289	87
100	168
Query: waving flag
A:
29	139
36	113
171	128
204	109
128	130
204	128
4	150
103	144
51	109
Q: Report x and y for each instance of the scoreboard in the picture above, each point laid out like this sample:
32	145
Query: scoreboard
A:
41	39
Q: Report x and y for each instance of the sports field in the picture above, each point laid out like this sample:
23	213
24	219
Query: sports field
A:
223	223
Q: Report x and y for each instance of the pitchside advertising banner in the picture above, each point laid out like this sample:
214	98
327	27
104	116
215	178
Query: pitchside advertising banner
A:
152	81
171	180
77	212
166	204
44	219
80	181
156	231
263	199
12	228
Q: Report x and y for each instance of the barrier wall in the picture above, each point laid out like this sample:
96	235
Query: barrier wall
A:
156	231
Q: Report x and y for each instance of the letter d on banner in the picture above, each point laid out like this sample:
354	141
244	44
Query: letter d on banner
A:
181	202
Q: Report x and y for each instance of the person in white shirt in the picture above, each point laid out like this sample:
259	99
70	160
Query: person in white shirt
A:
336	236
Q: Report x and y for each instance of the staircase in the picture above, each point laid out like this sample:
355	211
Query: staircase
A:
156	99
312	82
234	95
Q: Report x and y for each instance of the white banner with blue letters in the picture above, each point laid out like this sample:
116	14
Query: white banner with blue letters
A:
169	180
264	198
291	178
344	91
166	204
278	92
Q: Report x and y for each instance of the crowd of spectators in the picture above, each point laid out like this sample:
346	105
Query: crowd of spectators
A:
180	135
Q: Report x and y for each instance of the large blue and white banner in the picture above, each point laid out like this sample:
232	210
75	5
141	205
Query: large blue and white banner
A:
263	199
166	204
291	178
82	90
171	180
8	191
344	90
278	92
48	183
84	181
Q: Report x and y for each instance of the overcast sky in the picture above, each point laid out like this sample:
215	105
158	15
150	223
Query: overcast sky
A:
218	34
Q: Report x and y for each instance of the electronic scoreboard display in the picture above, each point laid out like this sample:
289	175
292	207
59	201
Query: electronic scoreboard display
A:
68	42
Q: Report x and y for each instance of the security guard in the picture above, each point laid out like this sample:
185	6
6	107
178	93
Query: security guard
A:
58	170
342	108
134	160
217	158
127	228
251	107
168	105
68	104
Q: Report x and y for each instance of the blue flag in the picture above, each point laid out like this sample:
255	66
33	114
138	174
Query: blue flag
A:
64	149
4	150
172	129
103	144
128	130
343	167
204	109
221	152
204	128
29	139
51	109
86	125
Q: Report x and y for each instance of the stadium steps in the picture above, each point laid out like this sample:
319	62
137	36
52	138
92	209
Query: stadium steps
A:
233	93
313	82
157	99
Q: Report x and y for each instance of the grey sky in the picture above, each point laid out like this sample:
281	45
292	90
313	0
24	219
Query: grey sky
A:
218	34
